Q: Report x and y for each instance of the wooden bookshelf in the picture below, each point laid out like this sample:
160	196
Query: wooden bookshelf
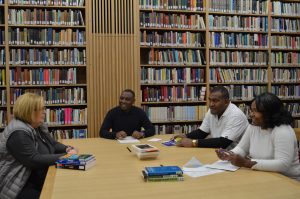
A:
238	50
45	53
285	53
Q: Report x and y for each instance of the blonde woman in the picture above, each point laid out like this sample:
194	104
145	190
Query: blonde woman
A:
26	150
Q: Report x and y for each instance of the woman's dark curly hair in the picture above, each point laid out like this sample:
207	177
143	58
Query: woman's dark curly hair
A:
272	109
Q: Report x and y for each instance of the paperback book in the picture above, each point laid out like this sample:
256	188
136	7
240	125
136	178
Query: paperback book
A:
145	151
79	162
158	178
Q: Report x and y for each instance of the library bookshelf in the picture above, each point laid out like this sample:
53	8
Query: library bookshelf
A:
187	47
43	51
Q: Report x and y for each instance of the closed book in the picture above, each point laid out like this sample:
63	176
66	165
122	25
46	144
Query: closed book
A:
83	167
161	177
74	161
163	170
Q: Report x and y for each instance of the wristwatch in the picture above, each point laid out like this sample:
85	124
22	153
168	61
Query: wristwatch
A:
195	143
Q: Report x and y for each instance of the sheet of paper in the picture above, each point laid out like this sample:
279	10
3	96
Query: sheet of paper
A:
223	165
200	171
128	140
154	140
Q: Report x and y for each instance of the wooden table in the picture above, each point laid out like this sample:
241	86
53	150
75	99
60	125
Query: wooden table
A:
117	175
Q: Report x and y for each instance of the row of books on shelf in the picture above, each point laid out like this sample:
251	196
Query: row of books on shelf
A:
285	41
293	108
161	129
285	8
286	74
39	16
175	113
173	56
238	40
66	116
48	2
193	5
46	36
2	77
72	96
218	39
173	93
58	134
172	39
244	92
172	75
171	20
285	25
3	118
77	162
42	76
239	6
285	58
3	97
286	91
219	75
238	57
238	23
2	35
52	56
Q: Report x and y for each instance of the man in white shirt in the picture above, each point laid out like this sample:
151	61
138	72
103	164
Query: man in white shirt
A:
224	122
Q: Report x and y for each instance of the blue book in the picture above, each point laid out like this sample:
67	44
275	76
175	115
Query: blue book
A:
163	170
74	159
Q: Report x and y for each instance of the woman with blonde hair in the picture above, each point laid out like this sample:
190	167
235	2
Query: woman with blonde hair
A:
27	150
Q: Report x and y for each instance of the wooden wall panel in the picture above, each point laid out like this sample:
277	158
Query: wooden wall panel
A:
112	56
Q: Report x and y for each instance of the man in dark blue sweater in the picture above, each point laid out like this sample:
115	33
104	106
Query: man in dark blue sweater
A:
126	120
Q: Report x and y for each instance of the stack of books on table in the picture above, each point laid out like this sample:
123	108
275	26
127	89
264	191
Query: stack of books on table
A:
145	151
78	162
162	173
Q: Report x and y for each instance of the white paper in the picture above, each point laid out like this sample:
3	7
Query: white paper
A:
193	163
200	171
128	140
154	140
194	168
223	165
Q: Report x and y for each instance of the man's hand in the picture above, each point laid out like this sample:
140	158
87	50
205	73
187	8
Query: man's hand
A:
137	135
185	142
121	135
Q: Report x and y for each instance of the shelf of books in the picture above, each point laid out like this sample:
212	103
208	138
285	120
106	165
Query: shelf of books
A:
173	64
3	107
47	56
238	48
285	54
187	47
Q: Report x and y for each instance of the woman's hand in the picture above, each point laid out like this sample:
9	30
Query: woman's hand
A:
223	154
240	161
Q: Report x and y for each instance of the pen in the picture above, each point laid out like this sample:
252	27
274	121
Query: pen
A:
128	149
